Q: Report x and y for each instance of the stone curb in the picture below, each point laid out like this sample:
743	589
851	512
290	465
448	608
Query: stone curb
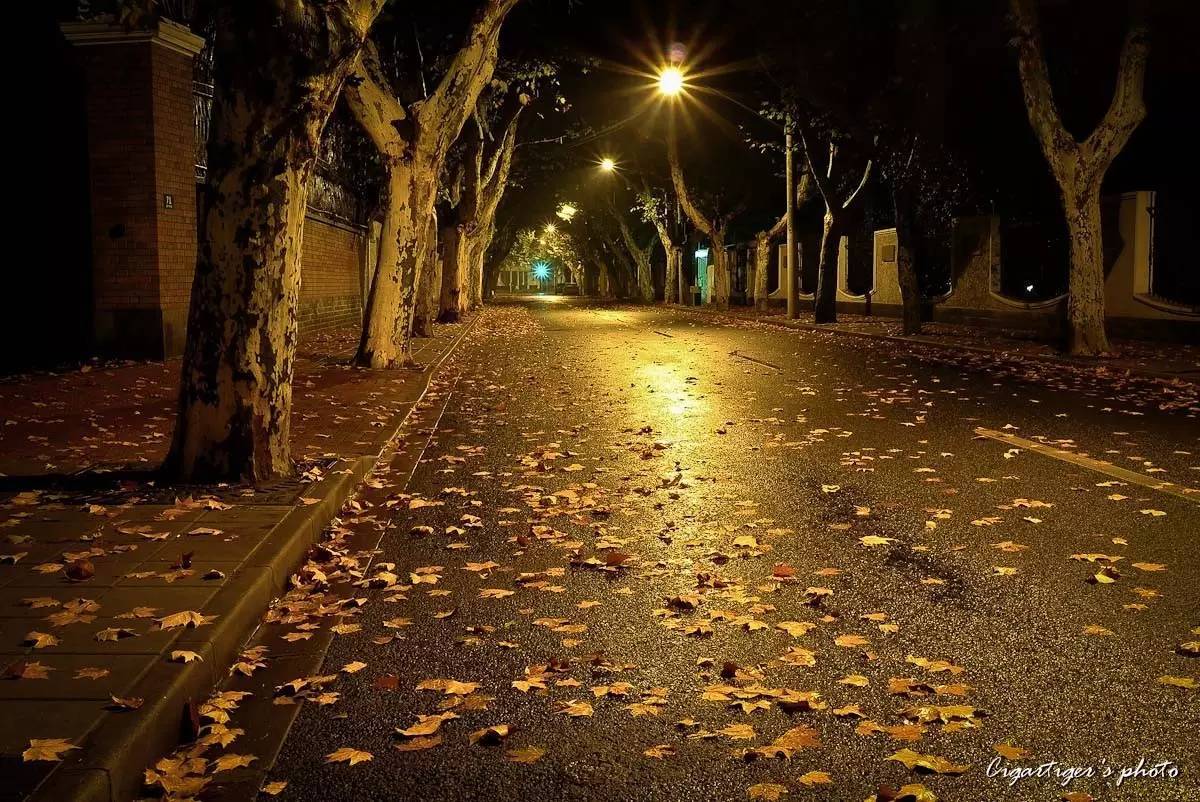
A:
919	340
115	753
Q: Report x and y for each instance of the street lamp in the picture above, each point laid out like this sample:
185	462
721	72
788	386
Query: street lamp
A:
670	81
607	164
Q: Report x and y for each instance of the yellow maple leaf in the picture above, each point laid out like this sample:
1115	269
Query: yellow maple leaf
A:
47	749
349	755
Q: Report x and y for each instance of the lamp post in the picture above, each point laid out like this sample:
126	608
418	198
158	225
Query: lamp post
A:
672	82
793	302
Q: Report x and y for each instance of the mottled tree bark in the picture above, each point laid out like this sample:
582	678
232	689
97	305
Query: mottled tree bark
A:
414	143
278	72
451	306
674	267
1079	167
491	184
430	286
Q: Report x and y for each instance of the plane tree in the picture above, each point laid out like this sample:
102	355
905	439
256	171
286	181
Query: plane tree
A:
278	71
413	127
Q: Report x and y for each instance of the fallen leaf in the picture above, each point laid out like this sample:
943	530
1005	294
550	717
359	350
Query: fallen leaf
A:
526	754
349	755
766	791
47	749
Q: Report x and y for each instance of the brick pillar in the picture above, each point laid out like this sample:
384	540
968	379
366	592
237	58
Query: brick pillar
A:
141	162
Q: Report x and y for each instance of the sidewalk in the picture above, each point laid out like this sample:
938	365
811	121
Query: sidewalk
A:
1174	364
122	602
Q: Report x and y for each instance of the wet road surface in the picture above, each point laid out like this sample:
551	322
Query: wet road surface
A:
671	558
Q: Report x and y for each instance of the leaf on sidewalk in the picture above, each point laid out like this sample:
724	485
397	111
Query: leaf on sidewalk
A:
185	618
51	749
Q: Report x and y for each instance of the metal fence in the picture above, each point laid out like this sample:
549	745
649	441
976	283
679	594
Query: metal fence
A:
328	193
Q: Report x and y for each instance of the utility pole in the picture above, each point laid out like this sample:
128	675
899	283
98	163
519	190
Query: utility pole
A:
793	302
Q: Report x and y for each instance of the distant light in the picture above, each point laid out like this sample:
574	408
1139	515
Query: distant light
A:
670	81
566	211
550	228
541	271
607	164
1028	288
702	253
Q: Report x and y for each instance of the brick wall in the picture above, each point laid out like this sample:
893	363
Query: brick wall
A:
330	275
174	156
121	150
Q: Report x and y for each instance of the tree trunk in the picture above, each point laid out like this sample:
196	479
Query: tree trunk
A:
1079	167
478	258
719	274
906	269
430	287
674	265
273	93
386	337
762	265
453	260
414	143
1085	297
837	201
825	302
645	278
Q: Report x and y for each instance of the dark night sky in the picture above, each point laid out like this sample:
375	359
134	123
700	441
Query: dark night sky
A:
984	117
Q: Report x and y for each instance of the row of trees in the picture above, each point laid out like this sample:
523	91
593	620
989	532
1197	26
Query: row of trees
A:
279	70
864	88
863	100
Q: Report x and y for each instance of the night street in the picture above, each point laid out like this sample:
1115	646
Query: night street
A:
604	401
665	558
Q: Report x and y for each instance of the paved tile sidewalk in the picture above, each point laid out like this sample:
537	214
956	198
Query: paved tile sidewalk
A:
98	560
1149	359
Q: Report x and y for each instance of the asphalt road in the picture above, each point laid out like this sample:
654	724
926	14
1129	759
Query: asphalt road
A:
656	492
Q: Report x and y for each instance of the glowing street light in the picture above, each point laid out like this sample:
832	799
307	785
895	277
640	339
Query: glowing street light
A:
541	270
670	81
607	164
550	228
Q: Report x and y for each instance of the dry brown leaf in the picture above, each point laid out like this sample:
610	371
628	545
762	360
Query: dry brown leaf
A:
51	749
349	755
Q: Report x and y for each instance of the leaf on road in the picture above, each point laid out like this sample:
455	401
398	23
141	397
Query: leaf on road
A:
349	755
575	709
526	754
1179	682
812	778
490	736
933	763
1011	752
